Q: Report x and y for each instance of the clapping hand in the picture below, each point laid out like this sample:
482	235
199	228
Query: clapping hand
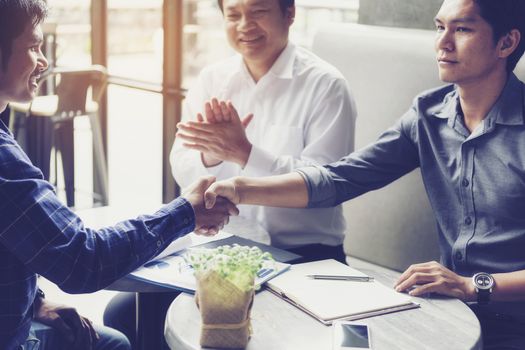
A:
220	136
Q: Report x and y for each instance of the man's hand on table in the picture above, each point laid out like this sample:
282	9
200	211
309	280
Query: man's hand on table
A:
77	330
208	221
432	277
221	136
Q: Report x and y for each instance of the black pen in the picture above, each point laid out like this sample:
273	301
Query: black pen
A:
342	278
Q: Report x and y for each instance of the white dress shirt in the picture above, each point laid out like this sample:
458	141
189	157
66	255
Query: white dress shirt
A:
303	115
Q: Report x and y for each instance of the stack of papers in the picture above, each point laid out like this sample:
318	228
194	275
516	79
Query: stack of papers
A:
329	300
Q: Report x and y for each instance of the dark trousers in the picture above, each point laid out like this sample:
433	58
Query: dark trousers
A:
500	332
120	314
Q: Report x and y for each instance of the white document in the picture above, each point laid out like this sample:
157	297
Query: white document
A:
170	269
329	300
174	272
190	240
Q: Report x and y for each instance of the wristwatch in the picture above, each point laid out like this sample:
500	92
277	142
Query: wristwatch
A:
483	282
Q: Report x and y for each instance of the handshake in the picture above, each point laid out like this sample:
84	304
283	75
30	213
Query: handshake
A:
213	204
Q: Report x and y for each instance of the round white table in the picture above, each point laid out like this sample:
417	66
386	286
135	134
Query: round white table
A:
440	323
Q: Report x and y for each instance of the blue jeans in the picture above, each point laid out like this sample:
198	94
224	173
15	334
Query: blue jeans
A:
42	337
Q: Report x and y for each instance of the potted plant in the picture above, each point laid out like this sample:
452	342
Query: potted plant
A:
225	291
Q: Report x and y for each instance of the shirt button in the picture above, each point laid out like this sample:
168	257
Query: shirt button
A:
468	220
459	256
465	183
186	221
159	243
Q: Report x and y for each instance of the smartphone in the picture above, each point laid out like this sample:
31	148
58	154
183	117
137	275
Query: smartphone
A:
350	336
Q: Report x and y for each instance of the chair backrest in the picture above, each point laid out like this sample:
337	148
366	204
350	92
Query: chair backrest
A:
73	86
386	68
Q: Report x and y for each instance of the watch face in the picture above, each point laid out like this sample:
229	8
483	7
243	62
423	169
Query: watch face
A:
483	281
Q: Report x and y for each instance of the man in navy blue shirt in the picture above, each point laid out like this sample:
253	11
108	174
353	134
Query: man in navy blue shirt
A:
39	235
468	139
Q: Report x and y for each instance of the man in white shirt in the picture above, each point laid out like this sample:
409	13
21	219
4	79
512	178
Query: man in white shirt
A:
302	112
298	112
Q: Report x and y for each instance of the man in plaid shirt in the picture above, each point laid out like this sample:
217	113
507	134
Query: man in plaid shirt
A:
39	235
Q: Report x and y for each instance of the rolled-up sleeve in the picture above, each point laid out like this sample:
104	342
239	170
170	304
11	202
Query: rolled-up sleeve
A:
321	188
393	155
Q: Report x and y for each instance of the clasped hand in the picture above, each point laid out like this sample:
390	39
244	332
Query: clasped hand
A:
208	221
220	136
76	329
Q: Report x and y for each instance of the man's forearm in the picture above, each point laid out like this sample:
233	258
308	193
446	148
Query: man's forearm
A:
509	286
288	190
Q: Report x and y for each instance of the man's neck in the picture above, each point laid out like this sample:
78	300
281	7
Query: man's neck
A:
477	99
258	69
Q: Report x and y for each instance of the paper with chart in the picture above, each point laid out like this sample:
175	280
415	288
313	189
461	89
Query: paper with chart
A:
170	269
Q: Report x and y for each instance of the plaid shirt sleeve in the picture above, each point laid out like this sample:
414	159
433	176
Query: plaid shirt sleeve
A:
49	239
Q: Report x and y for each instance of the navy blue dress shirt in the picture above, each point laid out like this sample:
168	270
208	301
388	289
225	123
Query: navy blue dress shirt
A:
475	181
39	235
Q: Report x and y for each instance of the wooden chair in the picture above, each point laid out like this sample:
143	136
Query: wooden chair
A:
46	124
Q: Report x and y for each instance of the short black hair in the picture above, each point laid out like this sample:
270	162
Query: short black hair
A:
283	4
15	16
504	16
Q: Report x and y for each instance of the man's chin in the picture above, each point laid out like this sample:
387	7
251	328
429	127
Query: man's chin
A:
446	78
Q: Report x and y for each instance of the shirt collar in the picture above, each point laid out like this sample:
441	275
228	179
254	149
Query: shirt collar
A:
282	68
243	70
449	108
508	110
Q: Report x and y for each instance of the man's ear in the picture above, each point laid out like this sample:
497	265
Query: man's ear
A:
508	43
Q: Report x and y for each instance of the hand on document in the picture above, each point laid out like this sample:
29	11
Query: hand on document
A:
432	277
208	221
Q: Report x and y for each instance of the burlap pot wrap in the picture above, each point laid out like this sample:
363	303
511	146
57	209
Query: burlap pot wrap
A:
225	312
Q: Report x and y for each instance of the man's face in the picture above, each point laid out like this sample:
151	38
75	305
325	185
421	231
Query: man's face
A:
257	29
18	83
465	47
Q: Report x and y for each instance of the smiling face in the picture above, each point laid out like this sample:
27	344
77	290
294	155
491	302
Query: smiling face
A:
19	81
465	47
257	29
